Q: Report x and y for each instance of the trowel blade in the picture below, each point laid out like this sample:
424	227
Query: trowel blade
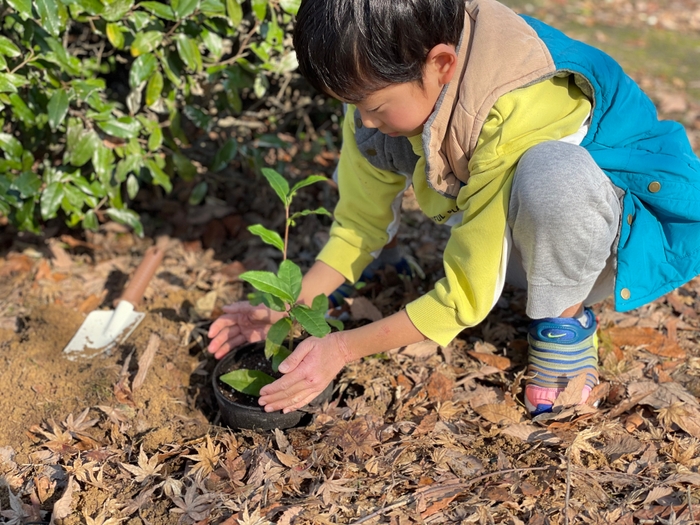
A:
93	337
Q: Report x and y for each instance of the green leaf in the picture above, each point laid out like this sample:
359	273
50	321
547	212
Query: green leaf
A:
308	181
189	52
27	184
159	9
159	176
92	7
268	282
90	221
155	140
198	117
57	108
320	303
247	381
268	236
7	48
290	6
313	321
272	302
23	7
129	164
48	12
336	323
184	166
213	8
5	85
83	150
184	8
304	213
123	127
290	274
21	110
132	186
214	43
260	9
198	193
154	88
51	199
142	68
116	9
226	154
278	183
115	35
126	217
11	146
146	42
278	357
276	335
234	12
103	162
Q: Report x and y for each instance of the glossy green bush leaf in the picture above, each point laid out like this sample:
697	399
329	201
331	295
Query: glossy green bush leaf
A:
290	274
276	335
146	42
247	381
90	221
154	88
278	183
27	184
8	48
234	12
198	193
184	8
268	282
128	218
123	127
57	108
226	154
83	150
155	140
5	85
143	67
11	146
272	302
214	43
132	186
259	8
268	236
159	9
116	9
291	6
159	176
184	167
313	321
103	161
21	110
115	35
23	7
48	11
51	200
189	52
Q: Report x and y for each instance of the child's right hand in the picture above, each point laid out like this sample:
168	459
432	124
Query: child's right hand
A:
241	323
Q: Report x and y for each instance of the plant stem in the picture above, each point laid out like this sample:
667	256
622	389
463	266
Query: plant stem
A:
286	231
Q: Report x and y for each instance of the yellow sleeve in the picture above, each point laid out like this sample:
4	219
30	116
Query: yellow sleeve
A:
475	256
368	210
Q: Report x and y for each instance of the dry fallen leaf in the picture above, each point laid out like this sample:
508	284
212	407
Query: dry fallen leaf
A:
497	361
439	387
647	338
362	308
572	393
500	414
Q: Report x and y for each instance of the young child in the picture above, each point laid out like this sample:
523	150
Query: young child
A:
548	162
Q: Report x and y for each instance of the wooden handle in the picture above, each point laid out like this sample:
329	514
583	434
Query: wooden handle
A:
144	273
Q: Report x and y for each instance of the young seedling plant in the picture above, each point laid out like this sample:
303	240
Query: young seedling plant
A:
280	292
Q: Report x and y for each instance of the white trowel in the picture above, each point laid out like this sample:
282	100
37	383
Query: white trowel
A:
102	330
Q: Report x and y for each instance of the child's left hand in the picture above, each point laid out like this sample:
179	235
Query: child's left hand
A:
307	372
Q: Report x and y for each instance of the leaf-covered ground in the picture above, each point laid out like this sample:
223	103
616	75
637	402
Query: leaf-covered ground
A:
420	435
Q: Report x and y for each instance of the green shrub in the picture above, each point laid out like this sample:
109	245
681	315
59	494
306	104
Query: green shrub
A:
94	95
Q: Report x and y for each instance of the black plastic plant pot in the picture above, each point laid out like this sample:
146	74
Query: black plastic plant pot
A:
241	410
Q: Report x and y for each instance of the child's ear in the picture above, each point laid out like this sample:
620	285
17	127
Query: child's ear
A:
442	61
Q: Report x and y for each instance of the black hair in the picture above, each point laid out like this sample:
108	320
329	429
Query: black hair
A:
351	48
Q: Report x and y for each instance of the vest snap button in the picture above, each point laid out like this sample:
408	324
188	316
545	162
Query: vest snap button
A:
372	152
654	187
630	219
358	123
625	293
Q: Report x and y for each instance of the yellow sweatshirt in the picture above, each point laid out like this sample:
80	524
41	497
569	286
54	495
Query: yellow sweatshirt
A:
475	258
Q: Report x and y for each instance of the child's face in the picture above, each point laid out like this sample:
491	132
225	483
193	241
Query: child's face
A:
402	109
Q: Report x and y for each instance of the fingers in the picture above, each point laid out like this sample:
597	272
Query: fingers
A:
228	345
295	397
296	357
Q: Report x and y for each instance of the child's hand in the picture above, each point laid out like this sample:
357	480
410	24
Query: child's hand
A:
307	372
242	323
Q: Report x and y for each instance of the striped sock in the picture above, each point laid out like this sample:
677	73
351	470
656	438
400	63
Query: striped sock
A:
560	349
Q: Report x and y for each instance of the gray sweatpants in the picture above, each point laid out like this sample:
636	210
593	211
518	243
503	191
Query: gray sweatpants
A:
564	217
